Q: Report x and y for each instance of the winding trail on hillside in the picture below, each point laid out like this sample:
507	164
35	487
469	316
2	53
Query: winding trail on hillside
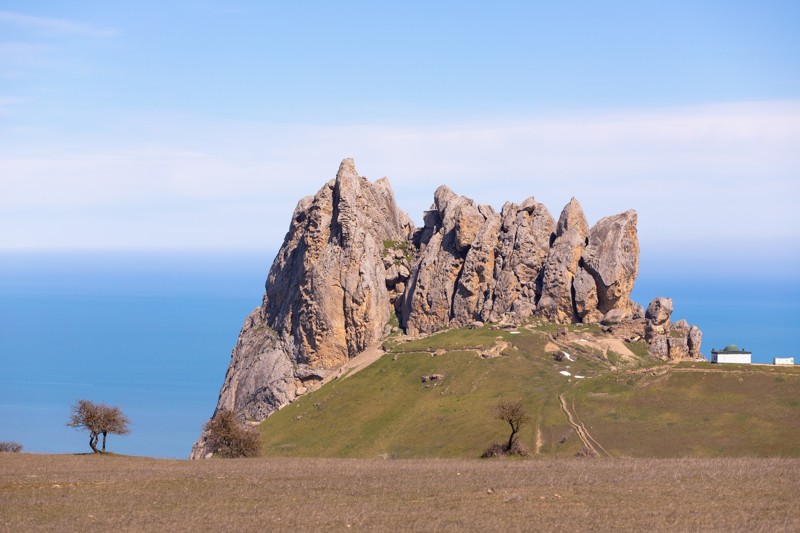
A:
588	441
588	435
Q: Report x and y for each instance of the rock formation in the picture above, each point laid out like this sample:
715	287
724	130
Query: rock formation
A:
611	257
477	265
557	302
328	296
352	259
524	241
670	341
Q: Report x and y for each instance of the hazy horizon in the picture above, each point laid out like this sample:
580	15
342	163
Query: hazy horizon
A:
195	125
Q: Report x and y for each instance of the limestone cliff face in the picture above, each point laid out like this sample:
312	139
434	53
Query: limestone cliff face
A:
351	259
612	258
261	377
477	265
327	296
562	265
522	248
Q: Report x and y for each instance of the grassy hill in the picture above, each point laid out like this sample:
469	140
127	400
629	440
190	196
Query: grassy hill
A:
695	409
625	405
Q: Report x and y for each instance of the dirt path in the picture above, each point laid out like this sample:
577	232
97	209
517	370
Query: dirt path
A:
588	441
603	344
357	363
663	369
721	371
588	435
538	443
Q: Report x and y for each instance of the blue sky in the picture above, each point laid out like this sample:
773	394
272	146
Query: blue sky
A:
199	124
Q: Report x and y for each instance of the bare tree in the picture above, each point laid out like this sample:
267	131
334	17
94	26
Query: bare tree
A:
515	415
98	419
227	436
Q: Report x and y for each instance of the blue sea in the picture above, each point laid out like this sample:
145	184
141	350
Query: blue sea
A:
152	333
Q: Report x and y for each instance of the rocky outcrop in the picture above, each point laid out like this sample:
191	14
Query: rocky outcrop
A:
328	296
260	376
477	265
612	258
524	242
694	339
451	225
666	340
352	259
557	302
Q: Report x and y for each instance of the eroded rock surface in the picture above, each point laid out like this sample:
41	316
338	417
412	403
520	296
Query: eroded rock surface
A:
328	296
352	259
612	259
327	292
666	340
476	264
557	302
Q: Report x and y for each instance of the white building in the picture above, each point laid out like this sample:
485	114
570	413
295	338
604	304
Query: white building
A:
783	361
731	354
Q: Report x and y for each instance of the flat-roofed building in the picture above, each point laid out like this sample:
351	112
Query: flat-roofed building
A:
731	354
783	361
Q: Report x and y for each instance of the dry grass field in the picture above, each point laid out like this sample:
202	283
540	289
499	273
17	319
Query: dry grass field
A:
113	493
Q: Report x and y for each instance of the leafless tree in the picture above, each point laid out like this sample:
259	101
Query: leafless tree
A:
98	419
512	412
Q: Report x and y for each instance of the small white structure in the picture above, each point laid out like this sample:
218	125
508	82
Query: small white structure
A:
731	354
783	361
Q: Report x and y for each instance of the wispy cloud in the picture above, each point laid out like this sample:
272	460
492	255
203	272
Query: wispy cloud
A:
697	175
22	53
6	103
53	26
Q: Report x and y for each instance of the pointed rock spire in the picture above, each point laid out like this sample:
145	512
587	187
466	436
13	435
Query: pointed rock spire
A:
557	302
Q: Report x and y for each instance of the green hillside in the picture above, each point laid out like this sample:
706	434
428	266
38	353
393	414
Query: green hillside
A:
625	405
695	409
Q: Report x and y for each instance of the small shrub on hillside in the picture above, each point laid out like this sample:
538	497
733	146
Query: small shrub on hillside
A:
499	450
229	437
10	447
586	452
515	415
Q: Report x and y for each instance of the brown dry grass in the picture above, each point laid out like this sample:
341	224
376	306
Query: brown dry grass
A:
105	493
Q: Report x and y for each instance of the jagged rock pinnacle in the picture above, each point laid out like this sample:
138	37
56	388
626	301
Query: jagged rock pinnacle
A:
351	259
